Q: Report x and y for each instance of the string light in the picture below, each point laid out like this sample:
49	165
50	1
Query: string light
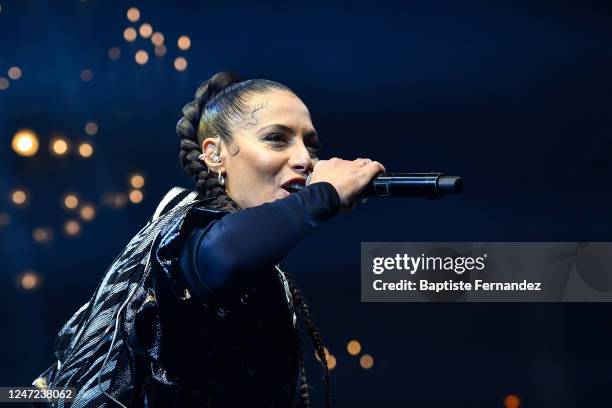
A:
14	73
25	142
145	30
366	361
129	34
137	180
180	64
141	57
19	197
29	280
160	50
86	75
72	227
157	38
91	128
71	201
4	83
114	53
184	42
353	347
133	14
87	212
59	147
86	150
42	235
136	196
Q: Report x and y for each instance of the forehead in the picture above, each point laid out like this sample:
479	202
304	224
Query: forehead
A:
278	107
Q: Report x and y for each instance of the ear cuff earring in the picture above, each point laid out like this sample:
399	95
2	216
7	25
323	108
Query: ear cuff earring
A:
215	158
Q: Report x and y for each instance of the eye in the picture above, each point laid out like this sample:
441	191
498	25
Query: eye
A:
276	139
313	147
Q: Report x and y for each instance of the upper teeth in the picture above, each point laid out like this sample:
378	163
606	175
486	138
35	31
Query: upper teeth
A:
294	186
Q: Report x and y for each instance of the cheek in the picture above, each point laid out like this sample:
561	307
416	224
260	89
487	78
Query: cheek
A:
261	166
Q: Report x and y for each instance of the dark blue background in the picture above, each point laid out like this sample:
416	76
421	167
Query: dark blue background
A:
515	96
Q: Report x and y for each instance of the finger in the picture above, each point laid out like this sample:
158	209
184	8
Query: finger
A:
380	166
374	168
362	161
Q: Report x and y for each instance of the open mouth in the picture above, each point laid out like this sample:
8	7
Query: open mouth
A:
295	185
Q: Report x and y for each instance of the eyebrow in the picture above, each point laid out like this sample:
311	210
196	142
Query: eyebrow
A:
284	128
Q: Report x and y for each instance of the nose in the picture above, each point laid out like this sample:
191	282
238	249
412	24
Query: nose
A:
299	159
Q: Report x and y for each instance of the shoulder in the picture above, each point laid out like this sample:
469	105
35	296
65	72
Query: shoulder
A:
178	213
176	197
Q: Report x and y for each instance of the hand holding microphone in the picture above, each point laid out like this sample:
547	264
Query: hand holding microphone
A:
363	178
349	177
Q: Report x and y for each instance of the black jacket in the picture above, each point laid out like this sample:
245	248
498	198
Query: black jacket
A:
144	340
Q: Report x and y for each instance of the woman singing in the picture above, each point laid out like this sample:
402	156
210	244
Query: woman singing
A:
196	312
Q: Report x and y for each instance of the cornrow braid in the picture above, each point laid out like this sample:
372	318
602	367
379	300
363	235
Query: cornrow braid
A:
304	395
190	148
317	340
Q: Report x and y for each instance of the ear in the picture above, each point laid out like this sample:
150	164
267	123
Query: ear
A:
211	146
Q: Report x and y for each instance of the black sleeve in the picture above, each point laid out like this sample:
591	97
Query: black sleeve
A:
231	252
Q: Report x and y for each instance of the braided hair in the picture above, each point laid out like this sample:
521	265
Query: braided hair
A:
220	99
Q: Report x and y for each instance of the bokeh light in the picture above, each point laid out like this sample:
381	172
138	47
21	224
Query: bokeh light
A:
119	200
4	83
157	38
331	362
512	401
141	57
29	280
14	73
145	30
72	228
353	347
114	53
184	42
91	128
133	14
19	197
85	150
70	201
180	64
87	212
42	235
129	34
136	196
25	142
160	50
59	147
114	200
137	180
86	75
5	219
366	361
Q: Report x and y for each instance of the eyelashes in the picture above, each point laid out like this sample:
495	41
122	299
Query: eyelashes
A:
278	140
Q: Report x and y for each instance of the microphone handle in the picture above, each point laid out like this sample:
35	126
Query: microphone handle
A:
428	185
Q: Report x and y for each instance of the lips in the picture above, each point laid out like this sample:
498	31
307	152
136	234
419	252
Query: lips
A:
294	185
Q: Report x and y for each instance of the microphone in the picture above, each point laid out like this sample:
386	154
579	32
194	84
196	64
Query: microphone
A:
428	185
